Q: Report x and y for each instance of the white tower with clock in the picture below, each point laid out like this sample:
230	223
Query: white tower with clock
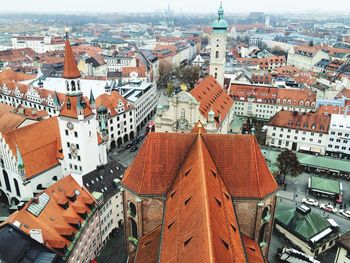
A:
78	127
218	47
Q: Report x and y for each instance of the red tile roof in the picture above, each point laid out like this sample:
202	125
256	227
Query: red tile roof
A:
111	101
310	121
211	96
148	247
237	157
198	128
72	111
200	221
54	221
141	71
253	250
37	143
157	162
10	74
70	70
272	95
332	110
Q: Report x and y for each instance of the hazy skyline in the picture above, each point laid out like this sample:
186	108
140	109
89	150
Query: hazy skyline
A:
230	6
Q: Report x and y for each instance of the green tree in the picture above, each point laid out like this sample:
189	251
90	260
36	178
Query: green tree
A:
165	70
170	89
188	75
288	164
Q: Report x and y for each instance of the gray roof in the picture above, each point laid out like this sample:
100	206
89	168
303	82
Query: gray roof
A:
18	247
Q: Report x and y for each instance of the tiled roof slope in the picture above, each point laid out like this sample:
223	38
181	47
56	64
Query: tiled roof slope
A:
157	163
148	247
111	101
200	223
70	70
253	250
241	165
40	152
305	121
210	95
237	157
10	74
72	111
54	221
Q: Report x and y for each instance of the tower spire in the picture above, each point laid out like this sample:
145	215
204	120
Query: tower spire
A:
92	99
70	69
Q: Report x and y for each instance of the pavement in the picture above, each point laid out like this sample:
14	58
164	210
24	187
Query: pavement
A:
114	250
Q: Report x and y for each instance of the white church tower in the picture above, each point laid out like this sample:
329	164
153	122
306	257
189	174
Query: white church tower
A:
78	127
218	47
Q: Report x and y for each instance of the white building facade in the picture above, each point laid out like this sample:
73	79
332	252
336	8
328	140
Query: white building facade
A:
339	136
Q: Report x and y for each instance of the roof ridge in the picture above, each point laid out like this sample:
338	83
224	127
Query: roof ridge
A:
206	201
256	165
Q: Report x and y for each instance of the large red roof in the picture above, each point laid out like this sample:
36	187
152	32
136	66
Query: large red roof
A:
211	96
237	157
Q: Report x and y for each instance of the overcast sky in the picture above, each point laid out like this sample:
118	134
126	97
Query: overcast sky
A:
82	6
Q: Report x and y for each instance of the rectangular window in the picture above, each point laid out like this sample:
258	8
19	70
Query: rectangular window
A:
66	132
75	134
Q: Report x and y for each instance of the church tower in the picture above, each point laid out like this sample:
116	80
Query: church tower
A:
78	128
218	47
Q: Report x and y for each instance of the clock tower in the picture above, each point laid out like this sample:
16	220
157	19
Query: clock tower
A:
78	127
218	47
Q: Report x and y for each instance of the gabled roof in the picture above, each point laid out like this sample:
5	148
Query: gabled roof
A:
70	107
111	101
148	247
37	143
200	223
237	157
70	70
211	96
252	250
198	128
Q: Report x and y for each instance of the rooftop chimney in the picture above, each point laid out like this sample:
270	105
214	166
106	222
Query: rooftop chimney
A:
37	235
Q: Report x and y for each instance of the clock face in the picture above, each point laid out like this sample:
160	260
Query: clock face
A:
70	126
217	40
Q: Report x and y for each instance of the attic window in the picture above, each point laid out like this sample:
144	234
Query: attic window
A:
187	241
172	194
187	200
147	243
187	173
213	172
233	228
170	225
227	196
218	201
225	244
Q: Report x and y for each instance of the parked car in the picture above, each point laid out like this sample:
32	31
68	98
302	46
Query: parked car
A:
310	201
128	146
134	148
345	213
339	199
134	142
328	208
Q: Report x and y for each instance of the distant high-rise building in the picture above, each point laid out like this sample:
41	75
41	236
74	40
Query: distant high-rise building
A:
218	47
267	21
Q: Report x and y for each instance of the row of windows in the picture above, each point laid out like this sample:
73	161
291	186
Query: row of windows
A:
340	134
337	147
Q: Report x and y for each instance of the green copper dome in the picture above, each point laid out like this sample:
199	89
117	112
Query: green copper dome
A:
220	23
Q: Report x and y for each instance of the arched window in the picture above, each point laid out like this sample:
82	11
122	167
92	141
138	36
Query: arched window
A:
7	181
73	85
265	213
132	209
262	233
278	101
284	101
217	54
18	192
133	226
2	163
301	103
307	103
